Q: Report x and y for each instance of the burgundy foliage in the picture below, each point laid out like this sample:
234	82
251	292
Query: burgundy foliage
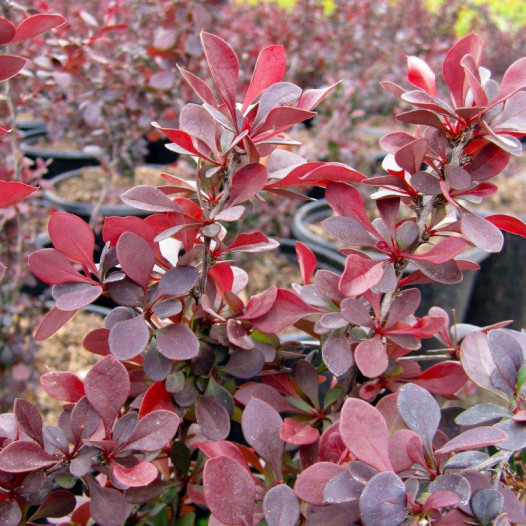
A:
341	430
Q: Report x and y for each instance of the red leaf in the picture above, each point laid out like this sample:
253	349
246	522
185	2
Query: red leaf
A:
247	182
252	242
229	490
360	275
298	433
136	476
510	224
156	397
513	81
115	226
73	237
12	192
37	24
445	250
270	68
365	433
420	75
7	31
97	342
488	163
10	65
224	67
53	321
443	379
224	448
313	97
52	267
200	87
286	310
136	258
107	386
307	261
21	456
371	357
63	385
452	69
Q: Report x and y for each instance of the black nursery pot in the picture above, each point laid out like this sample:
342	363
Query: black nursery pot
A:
449	297
61	161
500	288
159	154
84	210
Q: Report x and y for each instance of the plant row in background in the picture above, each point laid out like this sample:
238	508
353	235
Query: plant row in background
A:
197	405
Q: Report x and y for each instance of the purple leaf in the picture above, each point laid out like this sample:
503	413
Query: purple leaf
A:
74	296
310	484
84	420
486	504
213	418
337	354
480	232
452	482
245	364
480	414
21	456
420	413
107	505
349	231
457	177
281	507
516	432
129	338
474	439
308	380
149	198
178	281
136	258
10	513
261	424
29	420
154	431
59	504
342	488
364	432
177	342
229	491
384	501
156	366
107	386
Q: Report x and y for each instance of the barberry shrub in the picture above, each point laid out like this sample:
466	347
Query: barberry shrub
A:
344	429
